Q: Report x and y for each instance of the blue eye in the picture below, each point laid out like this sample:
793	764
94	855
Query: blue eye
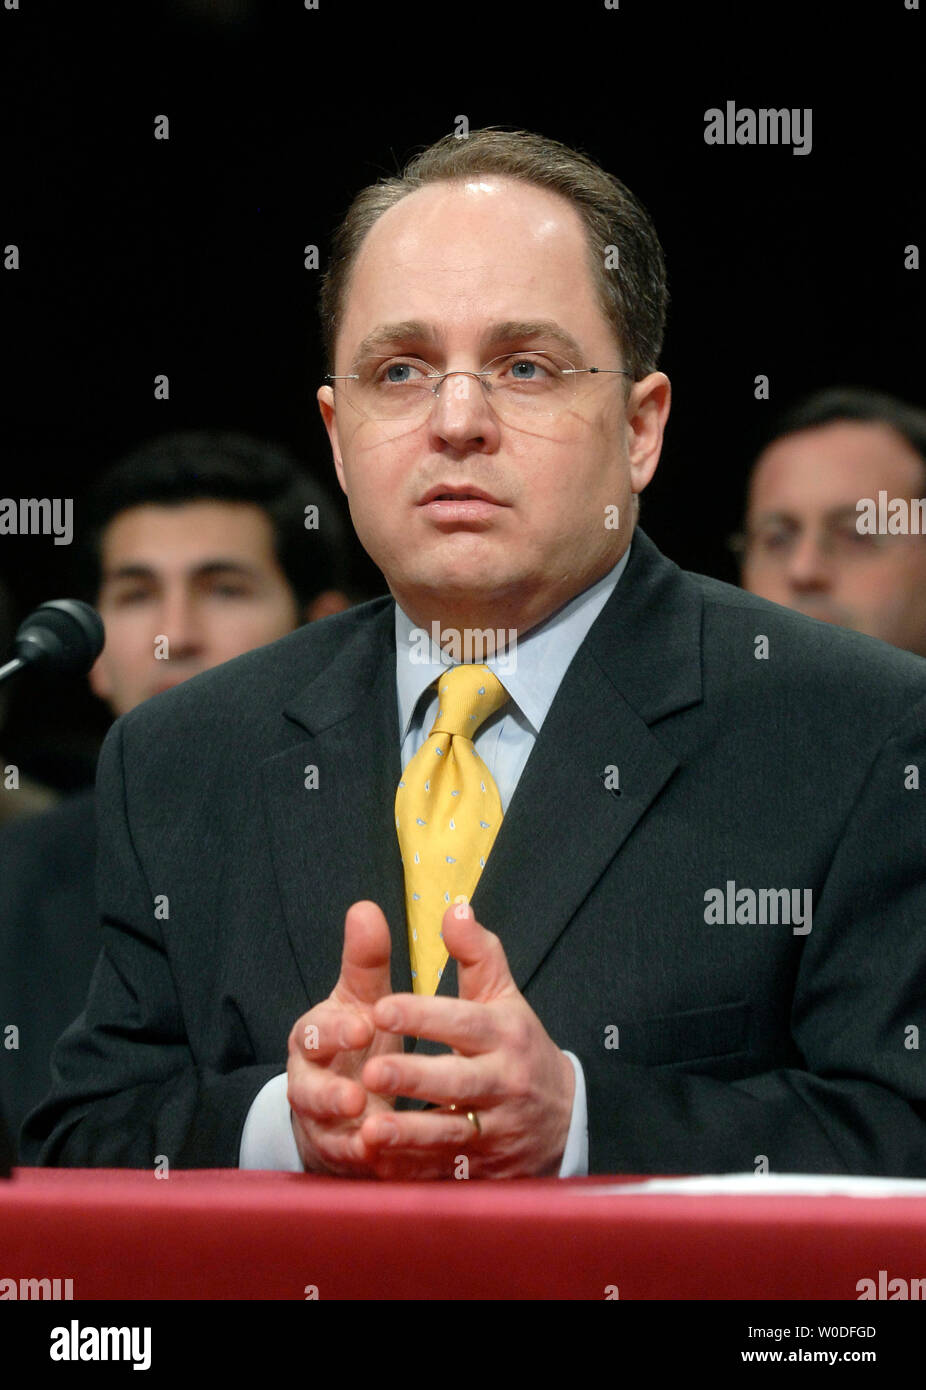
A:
399	372
530	369
397	367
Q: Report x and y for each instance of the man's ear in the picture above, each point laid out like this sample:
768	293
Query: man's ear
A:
647	413
325	398
324	604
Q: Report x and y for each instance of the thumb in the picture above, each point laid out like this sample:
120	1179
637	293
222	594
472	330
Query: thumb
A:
364	976
482	972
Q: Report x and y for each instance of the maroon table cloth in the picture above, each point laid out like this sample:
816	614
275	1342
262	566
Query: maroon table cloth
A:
226	1234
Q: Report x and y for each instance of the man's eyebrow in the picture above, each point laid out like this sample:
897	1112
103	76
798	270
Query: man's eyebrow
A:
128	571
512	330
221	565
208	569
390	335
847	509
763	518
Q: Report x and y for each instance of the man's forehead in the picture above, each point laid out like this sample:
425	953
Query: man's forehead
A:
853	441
841	460
448	208
463	260
200	526
446	236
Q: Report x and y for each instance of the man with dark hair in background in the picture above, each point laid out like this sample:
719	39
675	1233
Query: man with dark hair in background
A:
805	543
552	852
195	547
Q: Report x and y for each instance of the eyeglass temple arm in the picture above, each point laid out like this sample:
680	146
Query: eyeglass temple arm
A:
613	371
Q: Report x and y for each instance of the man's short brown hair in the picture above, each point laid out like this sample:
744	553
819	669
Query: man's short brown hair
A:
633	295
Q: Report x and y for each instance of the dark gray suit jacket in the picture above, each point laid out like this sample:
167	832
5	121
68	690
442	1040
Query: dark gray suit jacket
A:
49	940
733	1040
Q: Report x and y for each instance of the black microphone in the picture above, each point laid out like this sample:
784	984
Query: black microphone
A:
64	635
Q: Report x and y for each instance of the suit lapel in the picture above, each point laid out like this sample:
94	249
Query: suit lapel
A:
640	662
336	844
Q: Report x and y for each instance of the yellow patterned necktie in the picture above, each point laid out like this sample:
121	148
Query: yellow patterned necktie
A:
447	814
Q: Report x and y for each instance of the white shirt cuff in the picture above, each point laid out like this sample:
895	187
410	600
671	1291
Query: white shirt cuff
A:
267	1140
575	1154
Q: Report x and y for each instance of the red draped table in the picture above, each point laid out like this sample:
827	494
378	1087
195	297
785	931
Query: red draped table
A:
226	1234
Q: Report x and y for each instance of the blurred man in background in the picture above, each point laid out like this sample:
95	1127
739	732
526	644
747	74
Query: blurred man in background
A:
803	546
195	548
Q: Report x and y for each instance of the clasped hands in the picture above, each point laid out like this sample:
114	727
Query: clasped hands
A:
346	1066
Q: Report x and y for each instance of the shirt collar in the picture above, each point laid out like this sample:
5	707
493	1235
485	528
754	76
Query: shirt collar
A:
531	673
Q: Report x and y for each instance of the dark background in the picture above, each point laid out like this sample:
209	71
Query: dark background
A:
185	256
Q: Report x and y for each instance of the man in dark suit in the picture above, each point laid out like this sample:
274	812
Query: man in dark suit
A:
698	942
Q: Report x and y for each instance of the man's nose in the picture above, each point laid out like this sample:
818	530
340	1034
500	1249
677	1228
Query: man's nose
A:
181	623
462	412
809	563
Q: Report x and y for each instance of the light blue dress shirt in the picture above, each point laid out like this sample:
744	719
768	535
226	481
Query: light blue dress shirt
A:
531	673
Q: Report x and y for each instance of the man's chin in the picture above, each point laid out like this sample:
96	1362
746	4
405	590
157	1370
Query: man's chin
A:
463	564
479	590
459	584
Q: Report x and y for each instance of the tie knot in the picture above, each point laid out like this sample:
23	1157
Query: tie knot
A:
468	695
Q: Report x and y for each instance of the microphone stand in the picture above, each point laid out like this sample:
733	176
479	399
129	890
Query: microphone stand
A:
11	668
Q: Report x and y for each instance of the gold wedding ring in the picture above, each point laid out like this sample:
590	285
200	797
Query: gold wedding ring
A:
471	1116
